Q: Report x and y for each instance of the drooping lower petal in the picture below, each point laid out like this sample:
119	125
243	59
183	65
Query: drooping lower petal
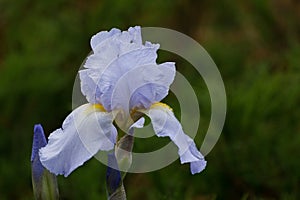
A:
84	132
165	124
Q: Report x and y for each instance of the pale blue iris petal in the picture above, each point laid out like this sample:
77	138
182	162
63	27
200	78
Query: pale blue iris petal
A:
154	90
192	154
136	35
126	62
114	54
88	84
138	124
198	166
106	53
97	84
99	60
165	124
102	36
108	46
144	96
84	132
142	86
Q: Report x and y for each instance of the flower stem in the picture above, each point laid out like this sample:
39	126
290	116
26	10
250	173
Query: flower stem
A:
119	194
114	178
122	157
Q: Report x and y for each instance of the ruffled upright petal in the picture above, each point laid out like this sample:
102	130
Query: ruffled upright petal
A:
108	46
142	86
97	83
155	85
139	88
119	58
165	124
97	39
84	132
89	79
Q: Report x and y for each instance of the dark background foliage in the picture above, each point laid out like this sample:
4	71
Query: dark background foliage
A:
255	44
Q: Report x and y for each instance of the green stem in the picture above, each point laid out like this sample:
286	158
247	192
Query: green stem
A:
123	159
114	179
45	188
119	194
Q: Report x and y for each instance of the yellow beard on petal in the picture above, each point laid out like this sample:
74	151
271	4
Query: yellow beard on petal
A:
160	104
98	107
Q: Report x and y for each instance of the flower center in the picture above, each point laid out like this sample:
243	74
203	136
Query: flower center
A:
135	114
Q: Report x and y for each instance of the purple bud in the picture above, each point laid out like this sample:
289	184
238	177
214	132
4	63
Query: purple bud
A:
39	141
44	183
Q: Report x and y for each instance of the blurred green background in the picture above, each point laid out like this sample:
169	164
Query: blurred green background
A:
255	44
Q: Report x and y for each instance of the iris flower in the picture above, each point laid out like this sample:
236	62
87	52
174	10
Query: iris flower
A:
121	78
